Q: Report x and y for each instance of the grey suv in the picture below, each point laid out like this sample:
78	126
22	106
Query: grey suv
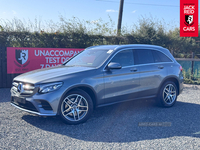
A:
99	76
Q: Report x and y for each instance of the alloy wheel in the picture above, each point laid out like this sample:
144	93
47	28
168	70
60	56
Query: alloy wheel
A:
74	107
169	94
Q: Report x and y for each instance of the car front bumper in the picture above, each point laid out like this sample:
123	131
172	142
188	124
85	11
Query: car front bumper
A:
33	112
39	104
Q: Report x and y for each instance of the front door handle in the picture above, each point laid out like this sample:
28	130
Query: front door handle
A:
160	67
133	69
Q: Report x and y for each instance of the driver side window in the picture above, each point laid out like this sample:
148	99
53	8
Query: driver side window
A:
124	58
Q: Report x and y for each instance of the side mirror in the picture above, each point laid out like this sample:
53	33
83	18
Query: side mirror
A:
114	65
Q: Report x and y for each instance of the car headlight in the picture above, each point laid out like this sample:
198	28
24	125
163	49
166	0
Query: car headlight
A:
50	87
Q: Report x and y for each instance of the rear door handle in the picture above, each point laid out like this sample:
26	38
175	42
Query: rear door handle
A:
133	69
160	67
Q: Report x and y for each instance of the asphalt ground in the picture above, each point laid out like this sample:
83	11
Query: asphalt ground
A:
131	125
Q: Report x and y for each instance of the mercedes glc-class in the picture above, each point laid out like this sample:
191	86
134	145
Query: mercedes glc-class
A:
99	76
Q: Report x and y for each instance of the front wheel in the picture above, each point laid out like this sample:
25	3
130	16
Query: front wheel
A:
76	107
168	94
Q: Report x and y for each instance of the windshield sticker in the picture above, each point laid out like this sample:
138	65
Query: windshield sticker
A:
110	51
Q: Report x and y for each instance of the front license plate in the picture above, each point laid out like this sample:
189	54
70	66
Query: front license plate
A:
19	100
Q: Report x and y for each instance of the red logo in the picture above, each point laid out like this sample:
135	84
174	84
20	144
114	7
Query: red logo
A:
189	18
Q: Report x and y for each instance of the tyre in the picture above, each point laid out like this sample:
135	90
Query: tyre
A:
168	94
76	107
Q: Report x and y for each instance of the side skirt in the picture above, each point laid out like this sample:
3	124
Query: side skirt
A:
141	98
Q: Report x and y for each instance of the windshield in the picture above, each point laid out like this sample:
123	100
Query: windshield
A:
89	58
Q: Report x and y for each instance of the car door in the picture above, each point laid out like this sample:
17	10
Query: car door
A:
121	84
151	72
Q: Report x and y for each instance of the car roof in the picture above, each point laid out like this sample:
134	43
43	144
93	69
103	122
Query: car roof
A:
132	46
103	47
118	47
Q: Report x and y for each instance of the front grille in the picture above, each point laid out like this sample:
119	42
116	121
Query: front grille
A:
28	105
22	88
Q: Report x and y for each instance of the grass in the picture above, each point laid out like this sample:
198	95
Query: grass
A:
190	78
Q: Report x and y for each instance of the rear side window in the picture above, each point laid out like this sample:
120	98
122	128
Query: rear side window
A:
160	57
144	56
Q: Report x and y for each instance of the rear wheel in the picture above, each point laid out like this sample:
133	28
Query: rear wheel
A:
168	94
76	107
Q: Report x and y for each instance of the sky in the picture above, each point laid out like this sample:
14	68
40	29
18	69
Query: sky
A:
166	11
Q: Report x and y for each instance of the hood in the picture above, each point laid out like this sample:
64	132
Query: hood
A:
40	75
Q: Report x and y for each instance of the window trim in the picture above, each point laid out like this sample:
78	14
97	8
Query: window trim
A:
136	65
